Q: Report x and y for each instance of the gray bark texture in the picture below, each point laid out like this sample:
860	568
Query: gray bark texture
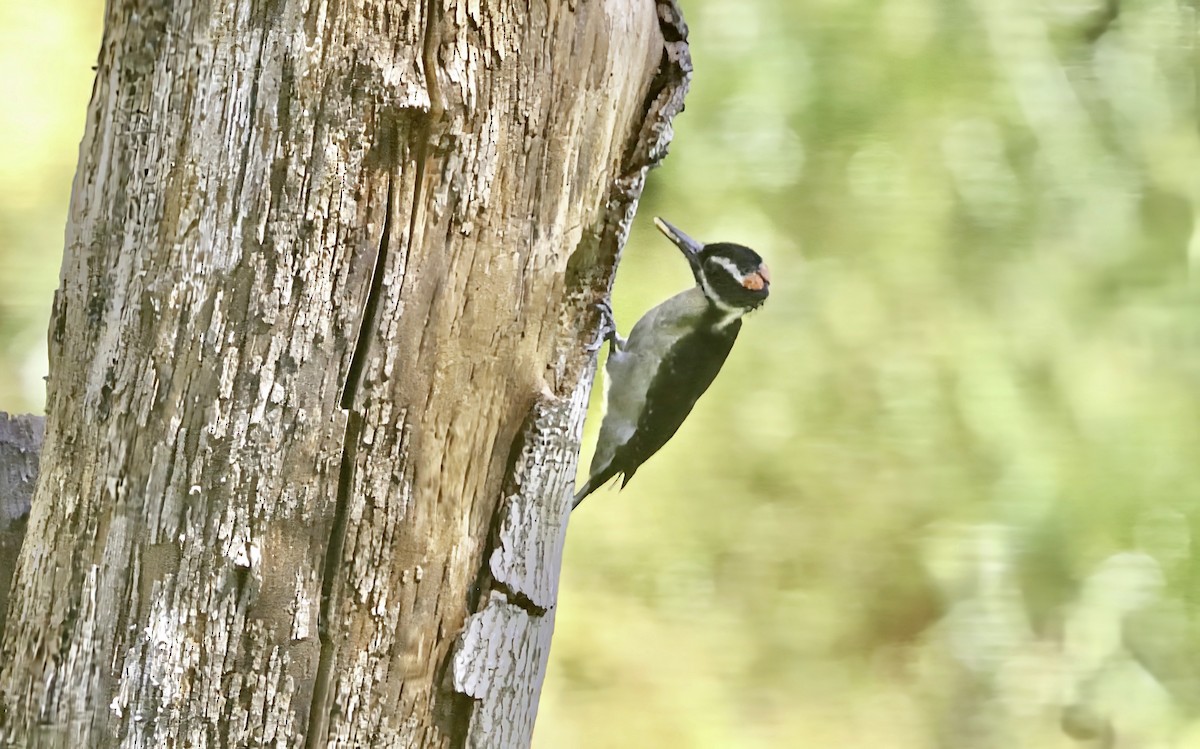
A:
20	445
317	367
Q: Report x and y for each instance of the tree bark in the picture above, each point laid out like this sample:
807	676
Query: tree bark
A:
20	444
316	367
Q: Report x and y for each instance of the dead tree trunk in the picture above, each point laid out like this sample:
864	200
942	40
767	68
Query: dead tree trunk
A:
316	373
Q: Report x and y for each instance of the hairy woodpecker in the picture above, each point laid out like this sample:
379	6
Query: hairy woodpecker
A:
673	354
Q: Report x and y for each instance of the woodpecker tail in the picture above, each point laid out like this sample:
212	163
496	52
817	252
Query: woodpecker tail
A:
594	482
587	489
597	480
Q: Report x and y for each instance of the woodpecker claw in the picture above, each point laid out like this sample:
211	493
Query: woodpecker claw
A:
608	330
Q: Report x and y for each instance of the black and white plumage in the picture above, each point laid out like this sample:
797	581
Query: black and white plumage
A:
672	355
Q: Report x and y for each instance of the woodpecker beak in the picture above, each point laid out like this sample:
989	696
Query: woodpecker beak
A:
688	246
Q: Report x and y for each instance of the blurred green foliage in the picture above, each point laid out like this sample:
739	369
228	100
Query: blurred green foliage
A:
945	492
46	54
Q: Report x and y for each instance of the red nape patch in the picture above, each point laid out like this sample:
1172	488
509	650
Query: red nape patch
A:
757	280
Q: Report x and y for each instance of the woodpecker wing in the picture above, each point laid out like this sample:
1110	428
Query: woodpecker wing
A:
688	369
672	356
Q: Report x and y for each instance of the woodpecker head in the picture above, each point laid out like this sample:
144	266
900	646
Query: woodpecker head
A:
733	277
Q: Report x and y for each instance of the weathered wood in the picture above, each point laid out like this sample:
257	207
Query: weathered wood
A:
317	379
20	445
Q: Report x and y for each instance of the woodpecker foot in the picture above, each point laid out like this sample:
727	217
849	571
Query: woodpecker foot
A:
608	330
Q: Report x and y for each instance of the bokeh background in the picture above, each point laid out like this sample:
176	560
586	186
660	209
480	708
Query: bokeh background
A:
945	493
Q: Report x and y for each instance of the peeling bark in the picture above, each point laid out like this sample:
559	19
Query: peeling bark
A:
316	373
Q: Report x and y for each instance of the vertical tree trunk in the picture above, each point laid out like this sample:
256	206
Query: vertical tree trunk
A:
316	377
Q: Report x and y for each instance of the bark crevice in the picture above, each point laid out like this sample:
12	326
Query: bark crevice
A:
318	716
369	324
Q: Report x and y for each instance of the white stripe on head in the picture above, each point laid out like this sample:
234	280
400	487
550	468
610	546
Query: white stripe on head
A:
732	312
712	297
730	266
